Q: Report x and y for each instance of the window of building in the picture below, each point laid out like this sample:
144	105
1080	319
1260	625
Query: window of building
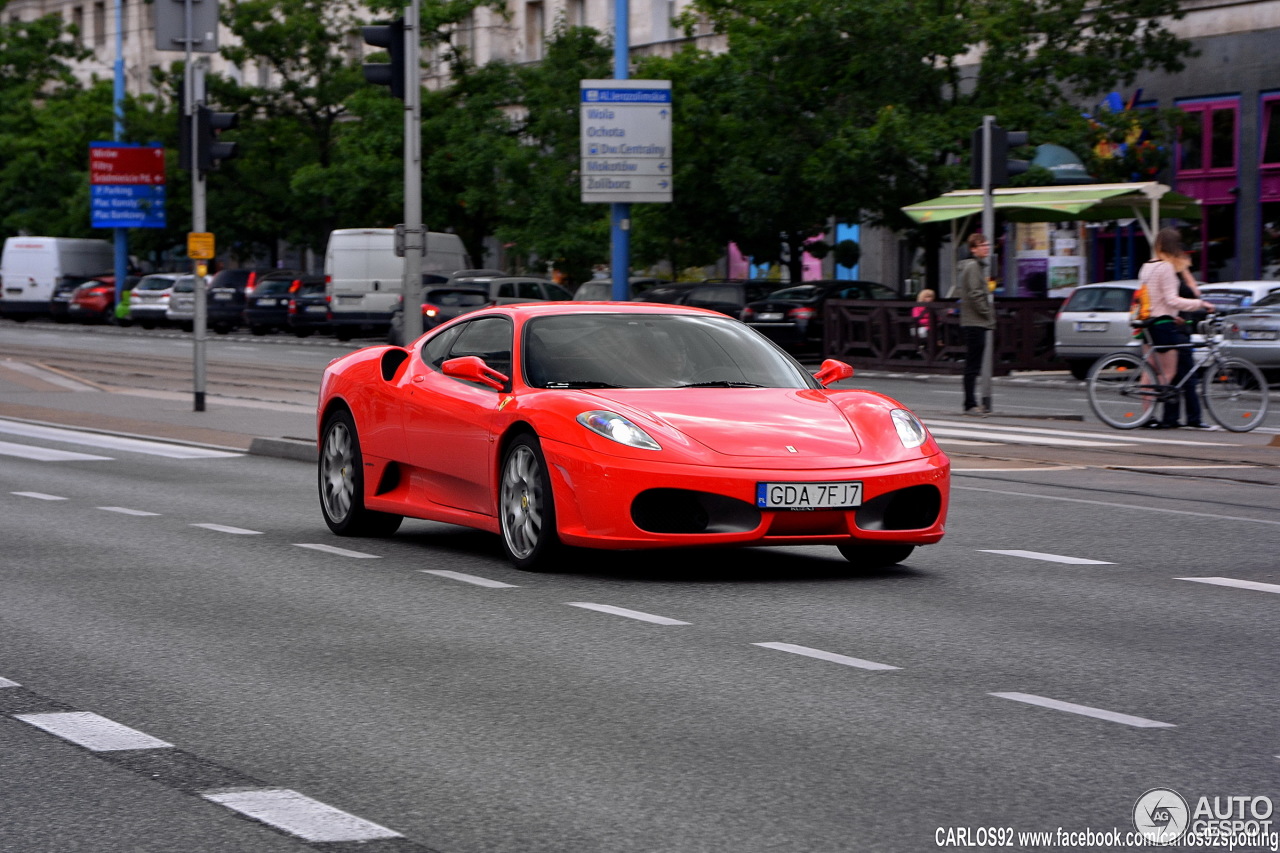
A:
100	24
575	13
534	28
1208	169
77	21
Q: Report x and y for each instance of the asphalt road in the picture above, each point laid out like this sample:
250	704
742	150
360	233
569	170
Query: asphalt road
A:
1099	621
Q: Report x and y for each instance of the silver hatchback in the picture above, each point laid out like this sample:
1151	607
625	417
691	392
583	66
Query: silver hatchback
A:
1093	322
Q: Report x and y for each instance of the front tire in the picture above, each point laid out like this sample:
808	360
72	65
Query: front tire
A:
1235	393
340	477
526	509
875	556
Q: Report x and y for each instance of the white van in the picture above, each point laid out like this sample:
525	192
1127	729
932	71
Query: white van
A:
31	267
364	278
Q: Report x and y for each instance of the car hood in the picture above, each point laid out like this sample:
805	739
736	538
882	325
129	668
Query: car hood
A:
757	422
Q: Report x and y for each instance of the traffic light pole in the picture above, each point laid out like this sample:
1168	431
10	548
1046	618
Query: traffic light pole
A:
415	242
988	231
193	90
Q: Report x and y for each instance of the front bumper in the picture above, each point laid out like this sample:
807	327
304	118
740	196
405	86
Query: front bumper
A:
612	502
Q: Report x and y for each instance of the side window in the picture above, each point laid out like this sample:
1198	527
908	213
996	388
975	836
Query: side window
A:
488	338
528	290
556	292
435	351
506	290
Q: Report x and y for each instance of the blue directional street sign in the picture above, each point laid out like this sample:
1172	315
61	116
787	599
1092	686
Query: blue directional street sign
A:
626	141
127	206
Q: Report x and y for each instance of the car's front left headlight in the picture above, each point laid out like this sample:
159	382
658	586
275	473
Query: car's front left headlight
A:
614	426
910	430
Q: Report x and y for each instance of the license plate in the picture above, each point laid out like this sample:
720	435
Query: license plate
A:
266	302
1092	327
770	316
316	309
221	296
1259	335
808	495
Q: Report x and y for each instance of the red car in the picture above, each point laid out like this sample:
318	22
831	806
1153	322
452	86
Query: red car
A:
622	426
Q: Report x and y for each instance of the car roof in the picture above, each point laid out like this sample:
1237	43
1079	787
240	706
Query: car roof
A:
546	308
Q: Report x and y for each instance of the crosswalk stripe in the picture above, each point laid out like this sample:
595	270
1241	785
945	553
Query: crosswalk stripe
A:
112	442
997	431
944	433
44	454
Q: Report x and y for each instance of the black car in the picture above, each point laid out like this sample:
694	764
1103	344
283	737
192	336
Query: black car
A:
794	316
266	304
227	293
465	292
728	296
308	308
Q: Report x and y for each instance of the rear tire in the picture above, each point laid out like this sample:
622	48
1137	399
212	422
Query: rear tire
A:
875	556
340	477
1121	391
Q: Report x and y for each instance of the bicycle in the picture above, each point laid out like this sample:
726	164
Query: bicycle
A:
1124	387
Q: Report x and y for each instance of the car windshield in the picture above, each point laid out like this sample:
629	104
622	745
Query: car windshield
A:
312	288
1100	299
1227	298
458	298
653	351
185	285
801	293
155	283
273	287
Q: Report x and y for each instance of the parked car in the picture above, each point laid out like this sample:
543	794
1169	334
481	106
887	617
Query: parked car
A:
308	309
667	293
95	300
728	296
149	302
229	289
794	316
266	305
1092	322
459	297
1231	296
182	304
631	425
601	289
63	290
1255	333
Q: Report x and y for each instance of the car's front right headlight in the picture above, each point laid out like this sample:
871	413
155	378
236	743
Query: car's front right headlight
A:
910	430
617	428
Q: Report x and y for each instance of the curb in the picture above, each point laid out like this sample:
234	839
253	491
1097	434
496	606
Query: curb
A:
285	448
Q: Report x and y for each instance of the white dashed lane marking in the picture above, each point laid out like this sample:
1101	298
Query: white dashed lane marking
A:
40	496
92	731
222	528
827	656
1238	584
1049	558
473	579
629	614
300	815
341	552
124	510
1085	711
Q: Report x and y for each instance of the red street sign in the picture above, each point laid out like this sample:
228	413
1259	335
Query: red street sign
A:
121	164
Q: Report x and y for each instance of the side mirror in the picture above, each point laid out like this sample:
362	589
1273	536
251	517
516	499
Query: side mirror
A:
473	369
832	371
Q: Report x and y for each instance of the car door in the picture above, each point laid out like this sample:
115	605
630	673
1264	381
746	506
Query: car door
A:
448	422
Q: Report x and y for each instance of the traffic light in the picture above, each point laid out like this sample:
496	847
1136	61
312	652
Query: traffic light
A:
208	150
391	37
1002	168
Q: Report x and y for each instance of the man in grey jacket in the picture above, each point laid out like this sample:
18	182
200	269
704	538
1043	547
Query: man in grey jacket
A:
977	316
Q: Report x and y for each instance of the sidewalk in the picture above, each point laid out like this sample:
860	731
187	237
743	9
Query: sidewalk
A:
46	396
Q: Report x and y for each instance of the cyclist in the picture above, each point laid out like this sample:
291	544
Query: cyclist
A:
1161	275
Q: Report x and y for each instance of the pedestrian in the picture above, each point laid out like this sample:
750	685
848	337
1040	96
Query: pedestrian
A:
1163	275
920	314
977	317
